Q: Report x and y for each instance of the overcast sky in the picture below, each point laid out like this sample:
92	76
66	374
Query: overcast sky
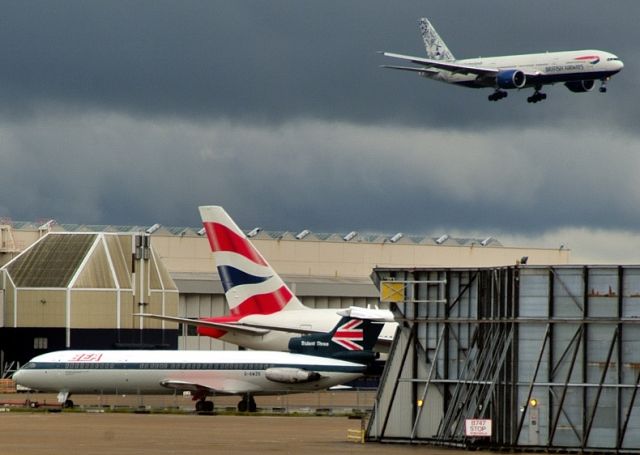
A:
136	112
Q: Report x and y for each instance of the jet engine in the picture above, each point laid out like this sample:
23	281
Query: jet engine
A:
291	375
580	86
511	79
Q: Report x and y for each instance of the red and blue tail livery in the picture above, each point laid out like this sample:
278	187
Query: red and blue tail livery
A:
351	339
251	286
263	312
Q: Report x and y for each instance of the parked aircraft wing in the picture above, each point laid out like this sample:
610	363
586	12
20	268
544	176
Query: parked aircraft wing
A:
216	385
229	327
244	328
185	386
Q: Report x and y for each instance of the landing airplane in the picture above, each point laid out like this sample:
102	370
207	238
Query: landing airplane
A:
315	362
578	70
263	312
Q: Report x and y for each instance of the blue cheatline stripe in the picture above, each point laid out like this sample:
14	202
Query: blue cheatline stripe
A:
186	366
231	277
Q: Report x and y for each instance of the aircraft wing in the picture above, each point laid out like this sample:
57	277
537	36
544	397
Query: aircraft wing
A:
451	66
214	385
243	328
410	68
229	327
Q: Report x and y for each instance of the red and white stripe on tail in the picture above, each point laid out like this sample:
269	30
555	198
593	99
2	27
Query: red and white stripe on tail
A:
349	334
251	285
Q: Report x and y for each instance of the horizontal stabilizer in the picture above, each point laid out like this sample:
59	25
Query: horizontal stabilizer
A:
367	313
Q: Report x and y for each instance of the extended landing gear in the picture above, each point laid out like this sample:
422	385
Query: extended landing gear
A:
63	399
498	95
537	96
247	404
204	406
603	87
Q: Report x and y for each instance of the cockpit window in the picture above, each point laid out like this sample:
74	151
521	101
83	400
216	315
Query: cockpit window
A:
611	59
28	366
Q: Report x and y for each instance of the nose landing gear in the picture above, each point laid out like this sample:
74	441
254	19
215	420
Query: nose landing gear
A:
603	87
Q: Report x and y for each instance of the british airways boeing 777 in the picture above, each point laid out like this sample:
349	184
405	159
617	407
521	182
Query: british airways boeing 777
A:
578	70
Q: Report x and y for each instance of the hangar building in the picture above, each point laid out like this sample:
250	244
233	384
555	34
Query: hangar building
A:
324	270
80	290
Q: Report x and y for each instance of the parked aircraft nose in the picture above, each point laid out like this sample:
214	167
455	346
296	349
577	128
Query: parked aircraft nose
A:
17	375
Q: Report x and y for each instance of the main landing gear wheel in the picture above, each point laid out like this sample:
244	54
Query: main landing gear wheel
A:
247	404
68	404
537	96
497	95
204	406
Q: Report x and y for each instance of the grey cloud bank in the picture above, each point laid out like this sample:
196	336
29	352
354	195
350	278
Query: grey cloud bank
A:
327	176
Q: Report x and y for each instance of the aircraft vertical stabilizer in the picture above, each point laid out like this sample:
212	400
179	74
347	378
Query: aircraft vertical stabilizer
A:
251	285
435	47
352	339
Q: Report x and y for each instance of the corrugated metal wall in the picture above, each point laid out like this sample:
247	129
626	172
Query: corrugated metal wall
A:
550	354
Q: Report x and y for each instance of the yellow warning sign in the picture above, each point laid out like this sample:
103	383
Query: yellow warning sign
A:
391	291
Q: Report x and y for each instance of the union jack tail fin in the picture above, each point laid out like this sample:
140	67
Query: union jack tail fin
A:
351	339
251	286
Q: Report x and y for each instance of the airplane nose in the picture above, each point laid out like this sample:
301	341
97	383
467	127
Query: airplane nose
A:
620	65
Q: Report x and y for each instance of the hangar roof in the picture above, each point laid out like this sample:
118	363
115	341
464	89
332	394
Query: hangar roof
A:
82	261
51	262
359	237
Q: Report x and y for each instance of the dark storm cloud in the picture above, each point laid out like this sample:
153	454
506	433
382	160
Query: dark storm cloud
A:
274	61
135	112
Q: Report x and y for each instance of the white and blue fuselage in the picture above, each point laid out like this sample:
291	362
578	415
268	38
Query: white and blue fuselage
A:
164	372
539	69
578	70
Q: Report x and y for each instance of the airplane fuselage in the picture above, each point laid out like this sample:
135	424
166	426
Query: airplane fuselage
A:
542	69
298	321
163	372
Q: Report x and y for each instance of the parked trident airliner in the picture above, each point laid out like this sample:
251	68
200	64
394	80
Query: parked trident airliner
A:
263	312
315	362
578	70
